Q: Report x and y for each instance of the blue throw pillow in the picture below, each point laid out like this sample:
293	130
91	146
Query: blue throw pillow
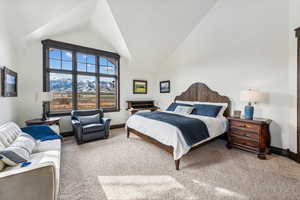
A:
173	106
25	164
41	132
207	110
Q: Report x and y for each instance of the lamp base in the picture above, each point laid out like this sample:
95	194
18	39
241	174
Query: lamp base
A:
249	110
44	116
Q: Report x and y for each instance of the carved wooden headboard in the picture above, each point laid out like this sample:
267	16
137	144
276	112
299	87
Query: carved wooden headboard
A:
201	92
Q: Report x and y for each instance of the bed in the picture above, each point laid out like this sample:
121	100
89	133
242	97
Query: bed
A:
172	138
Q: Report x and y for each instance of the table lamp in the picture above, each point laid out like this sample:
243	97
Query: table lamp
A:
250	96
44	97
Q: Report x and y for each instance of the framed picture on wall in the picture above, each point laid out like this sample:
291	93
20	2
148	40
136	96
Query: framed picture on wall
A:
9	83
164	86
139	87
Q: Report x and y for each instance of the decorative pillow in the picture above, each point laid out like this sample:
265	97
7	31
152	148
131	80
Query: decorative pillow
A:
173	106
185	102
8	133
19	151
224	106
207	110
92	119
2	146
184	109
2	165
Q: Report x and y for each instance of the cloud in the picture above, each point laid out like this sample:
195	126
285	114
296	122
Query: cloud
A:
69	54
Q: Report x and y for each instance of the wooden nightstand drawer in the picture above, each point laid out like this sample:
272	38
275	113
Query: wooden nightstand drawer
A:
249	135
245	126
244	142
238	132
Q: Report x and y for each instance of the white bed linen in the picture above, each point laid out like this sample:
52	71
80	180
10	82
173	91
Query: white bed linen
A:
170	135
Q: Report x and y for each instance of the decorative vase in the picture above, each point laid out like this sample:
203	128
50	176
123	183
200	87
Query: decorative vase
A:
249	110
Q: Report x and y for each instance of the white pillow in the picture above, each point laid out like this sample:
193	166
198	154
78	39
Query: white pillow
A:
184	109
185	102
2	165
221	112
19	151
8	133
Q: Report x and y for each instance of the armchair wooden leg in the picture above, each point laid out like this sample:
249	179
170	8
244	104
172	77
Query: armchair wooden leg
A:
177	162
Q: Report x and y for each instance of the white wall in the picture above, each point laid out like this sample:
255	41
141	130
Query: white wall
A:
294	23
7	104
30	62
240	44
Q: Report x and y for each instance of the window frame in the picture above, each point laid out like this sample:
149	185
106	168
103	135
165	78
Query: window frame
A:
47	44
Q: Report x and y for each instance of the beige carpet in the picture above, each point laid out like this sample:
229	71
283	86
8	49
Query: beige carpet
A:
131	169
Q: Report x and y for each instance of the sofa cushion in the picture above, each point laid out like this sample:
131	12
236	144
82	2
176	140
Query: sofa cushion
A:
19	151
92	128
47	145
91	119
8	133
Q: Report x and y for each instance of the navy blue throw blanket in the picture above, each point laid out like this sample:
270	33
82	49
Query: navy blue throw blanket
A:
41	132
193	130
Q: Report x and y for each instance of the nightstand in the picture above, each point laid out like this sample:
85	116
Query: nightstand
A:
250	135
50	121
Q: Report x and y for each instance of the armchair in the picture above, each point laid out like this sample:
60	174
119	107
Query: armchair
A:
89	125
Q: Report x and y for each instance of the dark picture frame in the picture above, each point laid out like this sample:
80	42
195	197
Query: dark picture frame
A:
9	83
140	87
164	86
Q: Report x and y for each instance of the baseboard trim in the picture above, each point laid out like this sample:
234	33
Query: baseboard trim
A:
115	126
286	153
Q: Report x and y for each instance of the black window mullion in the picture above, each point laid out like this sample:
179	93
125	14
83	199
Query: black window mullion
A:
74	83
97	82
86	73
59	71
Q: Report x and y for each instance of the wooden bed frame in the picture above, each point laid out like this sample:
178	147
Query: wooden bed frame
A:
196	92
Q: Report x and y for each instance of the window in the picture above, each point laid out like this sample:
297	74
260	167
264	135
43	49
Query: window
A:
86	92
80	77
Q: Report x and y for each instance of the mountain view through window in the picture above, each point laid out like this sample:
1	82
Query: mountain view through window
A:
81	80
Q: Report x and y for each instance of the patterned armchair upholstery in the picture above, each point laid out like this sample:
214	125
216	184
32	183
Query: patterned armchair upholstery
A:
89	125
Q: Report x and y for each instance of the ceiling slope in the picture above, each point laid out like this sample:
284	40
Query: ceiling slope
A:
103	22
153	29
67	20
145	32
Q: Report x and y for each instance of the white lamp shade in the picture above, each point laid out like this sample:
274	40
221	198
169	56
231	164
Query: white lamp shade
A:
44	97
251	96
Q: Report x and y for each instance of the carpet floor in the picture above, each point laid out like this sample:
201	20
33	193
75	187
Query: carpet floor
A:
132	169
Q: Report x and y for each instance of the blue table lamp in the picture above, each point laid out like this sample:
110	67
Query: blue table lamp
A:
252	97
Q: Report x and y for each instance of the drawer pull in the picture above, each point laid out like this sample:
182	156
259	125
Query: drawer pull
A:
245	126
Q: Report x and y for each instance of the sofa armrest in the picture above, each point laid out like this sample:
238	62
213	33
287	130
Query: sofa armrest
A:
29	183
75	122
77	129
106	122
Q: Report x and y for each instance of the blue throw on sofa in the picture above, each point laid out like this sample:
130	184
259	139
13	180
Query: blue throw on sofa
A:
41	132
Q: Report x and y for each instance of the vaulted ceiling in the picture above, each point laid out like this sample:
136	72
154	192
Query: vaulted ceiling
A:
143	31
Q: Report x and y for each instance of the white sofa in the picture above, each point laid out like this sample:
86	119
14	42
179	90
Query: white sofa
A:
37	181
